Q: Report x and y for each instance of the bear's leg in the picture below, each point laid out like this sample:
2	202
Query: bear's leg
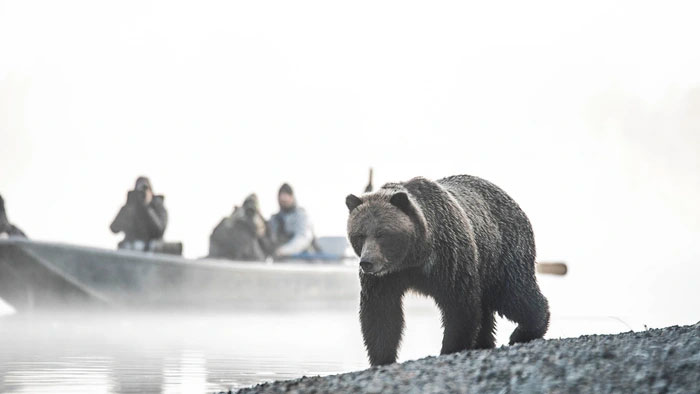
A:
381	317
486	338
461	323
525	305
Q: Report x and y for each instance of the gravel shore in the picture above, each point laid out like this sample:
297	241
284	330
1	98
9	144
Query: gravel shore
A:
654	361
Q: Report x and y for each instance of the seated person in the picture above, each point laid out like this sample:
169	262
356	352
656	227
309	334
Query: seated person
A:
7	229
240	235
142	219
290	232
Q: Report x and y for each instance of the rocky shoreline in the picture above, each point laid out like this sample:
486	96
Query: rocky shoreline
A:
654	361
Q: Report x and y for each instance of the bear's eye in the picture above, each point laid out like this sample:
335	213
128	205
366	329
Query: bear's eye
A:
357	239
388	238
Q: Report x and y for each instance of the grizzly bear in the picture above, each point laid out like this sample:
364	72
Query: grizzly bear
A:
460	240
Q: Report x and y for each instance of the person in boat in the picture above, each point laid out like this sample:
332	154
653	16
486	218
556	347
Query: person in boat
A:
290	233
142	219
241	235
8	229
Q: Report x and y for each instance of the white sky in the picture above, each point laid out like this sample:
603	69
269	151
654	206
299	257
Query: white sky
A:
588	115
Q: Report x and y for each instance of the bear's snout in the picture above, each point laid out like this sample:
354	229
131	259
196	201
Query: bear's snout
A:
371	259
367	267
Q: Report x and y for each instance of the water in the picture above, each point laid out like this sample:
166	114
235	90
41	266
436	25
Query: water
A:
188	352
162	352
170	352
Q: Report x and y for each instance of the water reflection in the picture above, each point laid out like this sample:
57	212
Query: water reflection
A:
69	374
186	374
197	352
171	353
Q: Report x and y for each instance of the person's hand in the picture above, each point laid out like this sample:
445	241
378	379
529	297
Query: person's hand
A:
275	254
136	197
259	226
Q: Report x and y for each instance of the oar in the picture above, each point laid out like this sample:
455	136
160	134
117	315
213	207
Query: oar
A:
551	268
369	185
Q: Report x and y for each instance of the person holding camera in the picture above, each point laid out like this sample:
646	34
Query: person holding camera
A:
241	235
8	229
142	219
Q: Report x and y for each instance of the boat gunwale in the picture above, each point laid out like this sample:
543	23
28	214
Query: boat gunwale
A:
28	245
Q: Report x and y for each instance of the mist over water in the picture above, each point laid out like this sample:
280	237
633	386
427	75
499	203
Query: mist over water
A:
190	351
587	115
178	351
161	352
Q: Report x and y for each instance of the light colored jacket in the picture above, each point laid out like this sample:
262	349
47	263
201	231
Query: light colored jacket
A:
292	231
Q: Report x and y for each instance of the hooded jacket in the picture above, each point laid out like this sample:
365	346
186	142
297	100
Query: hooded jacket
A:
141	222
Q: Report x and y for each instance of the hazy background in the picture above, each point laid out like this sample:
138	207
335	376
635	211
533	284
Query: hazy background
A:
589	116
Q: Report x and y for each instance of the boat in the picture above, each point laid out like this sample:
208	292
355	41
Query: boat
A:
36	275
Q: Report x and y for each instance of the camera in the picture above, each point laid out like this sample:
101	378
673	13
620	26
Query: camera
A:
136	197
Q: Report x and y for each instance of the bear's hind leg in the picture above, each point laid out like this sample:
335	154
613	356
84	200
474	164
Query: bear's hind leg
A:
525	305
486	338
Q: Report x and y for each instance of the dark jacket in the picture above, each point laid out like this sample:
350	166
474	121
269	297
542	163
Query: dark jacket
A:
238	237
141	222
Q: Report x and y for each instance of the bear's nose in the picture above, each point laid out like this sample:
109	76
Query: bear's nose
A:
366	266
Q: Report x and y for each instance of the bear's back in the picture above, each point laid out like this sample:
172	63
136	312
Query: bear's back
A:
498	226
502	230
482	199
478	198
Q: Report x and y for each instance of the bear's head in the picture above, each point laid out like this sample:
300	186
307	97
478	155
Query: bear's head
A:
383	229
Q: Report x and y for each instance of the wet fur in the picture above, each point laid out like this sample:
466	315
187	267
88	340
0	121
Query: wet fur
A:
466	244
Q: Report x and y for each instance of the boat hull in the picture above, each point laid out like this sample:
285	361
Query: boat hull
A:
39	275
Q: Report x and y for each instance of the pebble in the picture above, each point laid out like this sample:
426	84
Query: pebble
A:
653	361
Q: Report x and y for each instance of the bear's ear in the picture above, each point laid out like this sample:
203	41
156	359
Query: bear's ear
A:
352	202
401	201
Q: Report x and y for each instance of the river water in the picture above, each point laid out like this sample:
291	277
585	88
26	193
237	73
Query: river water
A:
186	351
182	352
168	352
173	352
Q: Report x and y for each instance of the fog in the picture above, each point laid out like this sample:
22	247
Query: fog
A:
587	115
